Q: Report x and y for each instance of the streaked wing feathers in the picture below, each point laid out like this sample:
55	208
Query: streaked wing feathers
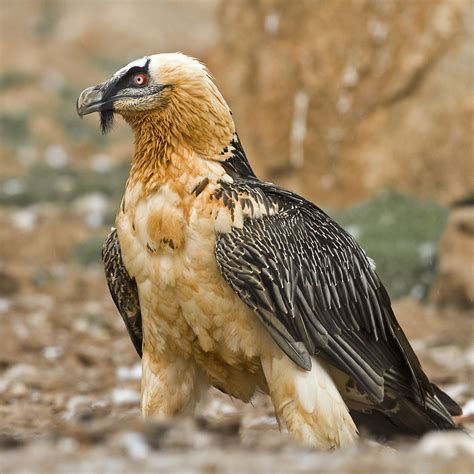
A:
316	291
123	289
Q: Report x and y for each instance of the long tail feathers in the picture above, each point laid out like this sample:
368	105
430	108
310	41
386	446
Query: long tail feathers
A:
450	405
409	417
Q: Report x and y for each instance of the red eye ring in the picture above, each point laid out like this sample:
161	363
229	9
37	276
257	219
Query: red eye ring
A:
140	79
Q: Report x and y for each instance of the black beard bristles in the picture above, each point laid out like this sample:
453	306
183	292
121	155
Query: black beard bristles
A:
106	121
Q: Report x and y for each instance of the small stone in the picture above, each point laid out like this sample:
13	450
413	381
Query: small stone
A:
378	30
25	219
18	389
56	156
13	186
5	305
344	104
272	22
446	444
135	445
350	77
130	373
125	396
52	352
101	163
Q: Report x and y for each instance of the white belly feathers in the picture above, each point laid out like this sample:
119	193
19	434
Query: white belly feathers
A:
168	246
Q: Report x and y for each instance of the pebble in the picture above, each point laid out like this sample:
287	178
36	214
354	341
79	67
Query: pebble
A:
5	305
217	408
344	103
25	219
72	405
354	230
450	356
350	77
130	373
92	208
101	163
125	396
52	352
456	390
377	30
260	422
26	154
446	444
18	389
134	444
272	22
468	408
13	186
56	156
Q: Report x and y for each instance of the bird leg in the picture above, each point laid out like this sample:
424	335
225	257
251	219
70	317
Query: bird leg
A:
170	387
308	402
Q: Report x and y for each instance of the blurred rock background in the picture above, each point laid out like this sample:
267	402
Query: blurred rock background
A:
363	106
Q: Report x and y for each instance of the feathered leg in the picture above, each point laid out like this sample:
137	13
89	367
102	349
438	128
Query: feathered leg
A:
170	387
308	403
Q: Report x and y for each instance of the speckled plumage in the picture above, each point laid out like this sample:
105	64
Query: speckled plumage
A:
243	285
123	289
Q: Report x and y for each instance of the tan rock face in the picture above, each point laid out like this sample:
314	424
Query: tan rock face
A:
455	282
339	99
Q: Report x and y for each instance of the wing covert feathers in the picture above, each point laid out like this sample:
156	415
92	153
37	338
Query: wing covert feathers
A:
315	290
123	289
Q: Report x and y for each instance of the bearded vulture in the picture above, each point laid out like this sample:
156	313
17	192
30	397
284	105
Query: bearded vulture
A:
229	281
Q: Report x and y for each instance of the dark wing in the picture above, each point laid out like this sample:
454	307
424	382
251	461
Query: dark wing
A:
316	291
123	289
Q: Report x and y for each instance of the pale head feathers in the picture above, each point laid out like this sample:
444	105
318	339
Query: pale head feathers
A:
183	109
178	115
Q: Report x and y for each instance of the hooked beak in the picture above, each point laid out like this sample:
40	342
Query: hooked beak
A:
92	100
96	99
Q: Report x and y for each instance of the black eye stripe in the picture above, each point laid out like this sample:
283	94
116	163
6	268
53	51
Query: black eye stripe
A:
137	69
126	80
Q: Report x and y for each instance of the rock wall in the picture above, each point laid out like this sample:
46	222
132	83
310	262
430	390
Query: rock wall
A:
455	283
339	98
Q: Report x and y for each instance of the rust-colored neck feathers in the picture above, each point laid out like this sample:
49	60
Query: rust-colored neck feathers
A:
193	122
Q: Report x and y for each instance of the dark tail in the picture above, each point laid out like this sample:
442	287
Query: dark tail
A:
408	418
450	405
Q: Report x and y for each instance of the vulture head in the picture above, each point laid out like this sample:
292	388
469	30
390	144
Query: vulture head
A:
165	96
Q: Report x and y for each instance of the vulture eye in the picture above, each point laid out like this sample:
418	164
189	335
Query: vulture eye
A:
140	79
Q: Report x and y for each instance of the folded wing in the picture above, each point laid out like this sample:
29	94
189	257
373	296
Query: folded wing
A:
123	289
317	292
